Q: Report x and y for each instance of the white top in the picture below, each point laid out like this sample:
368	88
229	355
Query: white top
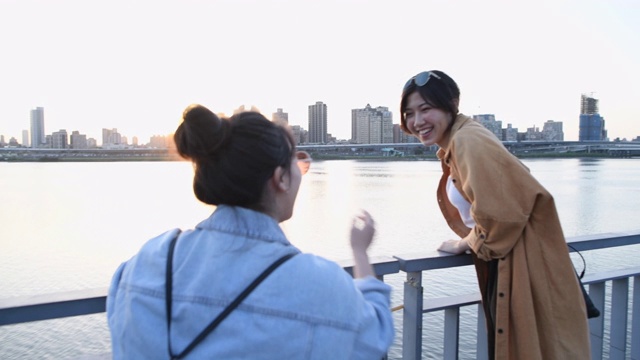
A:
463	206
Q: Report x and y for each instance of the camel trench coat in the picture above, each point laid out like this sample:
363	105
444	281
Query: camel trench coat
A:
540	310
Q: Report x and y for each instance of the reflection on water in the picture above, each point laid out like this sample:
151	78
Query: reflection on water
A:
66	226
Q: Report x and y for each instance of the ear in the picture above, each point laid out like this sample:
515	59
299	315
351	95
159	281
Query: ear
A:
280	179
456	103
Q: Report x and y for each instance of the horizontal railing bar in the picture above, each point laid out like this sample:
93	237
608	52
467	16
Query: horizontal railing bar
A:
449	302
602	241
52	306
611	275
382	265
431	261
413	262
431	305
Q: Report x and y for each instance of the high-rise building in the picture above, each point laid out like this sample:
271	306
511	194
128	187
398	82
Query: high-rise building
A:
242	109
38	138
159	142
552	131
280	117
591	123
533	133
489	121
25	138
400	137
78	141
588	105
372	126
510	133
318	123
299	134
59	140
111	137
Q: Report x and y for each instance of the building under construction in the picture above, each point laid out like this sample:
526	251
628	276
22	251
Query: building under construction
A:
591	123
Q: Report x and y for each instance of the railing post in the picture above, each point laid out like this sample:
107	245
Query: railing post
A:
596	325
482	351
619	311
451	333
412	317
635	320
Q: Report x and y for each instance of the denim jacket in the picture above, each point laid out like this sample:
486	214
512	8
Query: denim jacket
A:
308	308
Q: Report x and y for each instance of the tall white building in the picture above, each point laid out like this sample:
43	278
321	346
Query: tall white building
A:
25	138
372	126
38	138
318	123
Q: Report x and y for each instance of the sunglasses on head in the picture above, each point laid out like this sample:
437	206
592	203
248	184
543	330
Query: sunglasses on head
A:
304	161
421	79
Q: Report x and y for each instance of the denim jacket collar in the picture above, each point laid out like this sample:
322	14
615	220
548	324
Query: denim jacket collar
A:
244	222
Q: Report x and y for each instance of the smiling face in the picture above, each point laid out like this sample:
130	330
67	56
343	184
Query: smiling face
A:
430	125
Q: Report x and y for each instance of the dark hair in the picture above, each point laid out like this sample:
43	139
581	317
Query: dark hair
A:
235	157
440	93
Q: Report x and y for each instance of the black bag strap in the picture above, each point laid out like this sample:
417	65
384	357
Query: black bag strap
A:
592	310
584	263
223	314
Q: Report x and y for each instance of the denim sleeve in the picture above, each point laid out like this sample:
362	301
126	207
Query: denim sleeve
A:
113	289
376	335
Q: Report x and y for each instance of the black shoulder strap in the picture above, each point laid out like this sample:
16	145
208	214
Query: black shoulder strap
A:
168	287
223	314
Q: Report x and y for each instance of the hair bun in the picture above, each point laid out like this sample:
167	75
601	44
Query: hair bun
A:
201	134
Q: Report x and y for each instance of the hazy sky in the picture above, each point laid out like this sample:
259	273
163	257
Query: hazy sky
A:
135	65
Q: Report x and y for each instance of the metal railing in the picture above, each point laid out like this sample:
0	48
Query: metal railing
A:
617	317
616	293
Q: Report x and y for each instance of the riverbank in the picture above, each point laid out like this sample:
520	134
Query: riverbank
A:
98	155
567	155
317	157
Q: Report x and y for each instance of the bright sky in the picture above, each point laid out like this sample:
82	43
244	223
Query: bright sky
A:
135	65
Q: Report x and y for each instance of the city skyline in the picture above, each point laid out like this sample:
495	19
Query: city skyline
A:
369	126
282	116
527	63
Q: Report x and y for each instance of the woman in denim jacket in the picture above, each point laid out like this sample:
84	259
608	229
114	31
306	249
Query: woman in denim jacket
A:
308	308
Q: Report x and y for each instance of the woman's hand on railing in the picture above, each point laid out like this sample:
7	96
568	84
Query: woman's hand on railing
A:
454	246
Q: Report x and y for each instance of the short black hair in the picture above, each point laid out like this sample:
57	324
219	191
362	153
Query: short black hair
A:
441	93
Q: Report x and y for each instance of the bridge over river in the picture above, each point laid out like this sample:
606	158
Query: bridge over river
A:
518	148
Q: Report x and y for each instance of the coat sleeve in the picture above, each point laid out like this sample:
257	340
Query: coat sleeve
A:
499	187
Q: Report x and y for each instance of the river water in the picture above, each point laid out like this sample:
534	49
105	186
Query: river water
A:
67	226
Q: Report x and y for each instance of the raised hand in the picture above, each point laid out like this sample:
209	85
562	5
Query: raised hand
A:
362	231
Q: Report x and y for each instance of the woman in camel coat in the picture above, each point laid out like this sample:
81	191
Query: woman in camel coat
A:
532	300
